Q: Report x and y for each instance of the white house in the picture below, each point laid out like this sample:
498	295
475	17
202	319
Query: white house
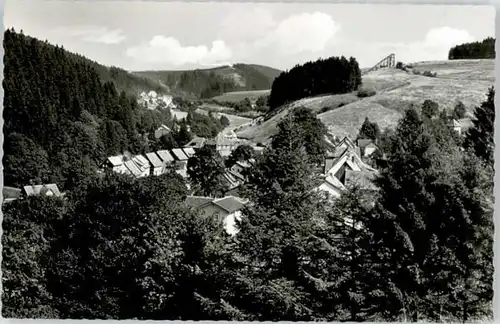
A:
133	169
166	157
142	164
42	190
157	166
162	130
227	209
178	114
117	163
189	151
179	154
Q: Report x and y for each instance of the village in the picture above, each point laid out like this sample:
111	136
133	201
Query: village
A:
345	166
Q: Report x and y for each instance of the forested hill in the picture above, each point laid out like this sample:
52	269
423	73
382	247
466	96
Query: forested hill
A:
123	80
208	83
475	50
61	118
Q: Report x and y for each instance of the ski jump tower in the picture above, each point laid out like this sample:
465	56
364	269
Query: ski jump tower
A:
388	61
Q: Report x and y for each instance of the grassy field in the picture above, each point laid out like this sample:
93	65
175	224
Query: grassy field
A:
464	80
237	96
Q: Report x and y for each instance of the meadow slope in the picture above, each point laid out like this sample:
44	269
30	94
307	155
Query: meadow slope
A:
464	80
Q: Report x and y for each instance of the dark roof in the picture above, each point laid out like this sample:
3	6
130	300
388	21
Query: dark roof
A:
229	204
11	192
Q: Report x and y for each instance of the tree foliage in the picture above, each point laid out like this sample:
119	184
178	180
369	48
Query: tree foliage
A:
480	138
484	49
333	75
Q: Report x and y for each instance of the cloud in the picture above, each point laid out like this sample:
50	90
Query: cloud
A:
168	50
435	45
308	32
447	36
93	34
248	24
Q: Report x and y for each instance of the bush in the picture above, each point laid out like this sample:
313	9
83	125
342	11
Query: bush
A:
428	73
400	66
325	109
366	92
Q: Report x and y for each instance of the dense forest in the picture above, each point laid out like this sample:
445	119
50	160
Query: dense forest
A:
62	119
325	76
419	250
475	50
210	83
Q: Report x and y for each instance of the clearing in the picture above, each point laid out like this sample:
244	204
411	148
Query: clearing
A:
458	80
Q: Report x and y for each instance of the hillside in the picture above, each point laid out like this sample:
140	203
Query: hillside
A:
122	80
464	80
207	83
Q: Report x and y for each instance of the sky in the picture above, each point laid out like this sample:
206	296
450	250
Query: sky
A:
141	35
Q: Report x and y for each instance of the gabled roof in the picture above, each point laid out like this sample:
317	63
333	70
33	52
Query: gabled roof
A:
163	127
229	204
42	190
244	164
141	161
133	168
197	201
116	160
197	142
179	154
165	156
189	151
154	160
231	178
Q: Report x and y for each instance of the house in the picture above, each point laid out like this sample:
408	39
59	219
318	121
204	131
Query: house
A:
10	194
196	143
165	157
344	169
142	164
181	168
188	151
179	155
133	169
117	163
178	114
161	131
227	209
42	190
461	125
240	166
157	165
367	147
228	134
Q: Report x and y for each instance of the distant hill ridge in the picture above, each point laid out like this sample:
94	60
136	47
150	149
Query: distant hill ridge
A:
211	82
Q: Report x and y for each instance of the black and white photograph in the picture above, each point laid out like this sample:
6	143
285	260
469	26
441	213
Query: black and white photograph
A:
266	161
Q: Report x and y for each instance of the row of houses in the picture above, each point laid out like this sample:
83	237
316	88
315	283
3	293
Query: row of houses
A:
10	193
153	163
